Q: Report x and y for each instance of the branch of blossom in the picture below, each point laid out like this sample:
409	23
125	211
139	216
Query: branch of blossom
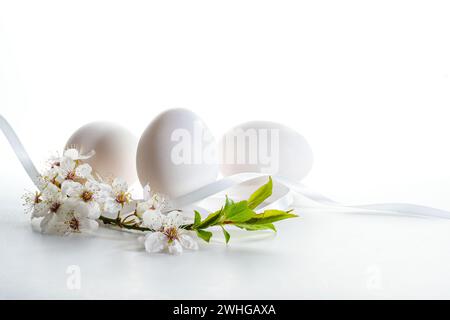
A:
118	222
239	214
242	215
73	199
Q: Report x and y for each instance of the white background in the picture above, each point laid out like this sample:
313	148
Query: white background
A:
366	82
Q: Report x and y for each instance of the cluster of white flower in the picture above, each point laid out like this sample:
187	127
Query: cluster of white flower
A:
72	199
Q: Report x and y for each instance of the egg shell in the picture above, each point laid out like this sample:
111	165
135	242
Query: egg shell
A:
177	154
115	149
269	147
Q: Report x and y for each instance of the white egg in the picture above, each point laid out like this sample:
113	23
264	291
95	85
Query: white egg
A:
114	146
177	154
265	147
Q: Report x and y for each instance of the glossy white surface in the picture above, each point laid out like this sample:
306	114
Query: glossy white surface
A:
277	150
114	145
176	153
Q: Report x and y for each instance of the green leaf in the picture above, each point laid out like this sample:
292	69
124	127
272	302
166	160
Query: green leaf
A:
228	202
210	220
237	212
226	235
197	218
270	216
205	235
260	195
227	207
254	227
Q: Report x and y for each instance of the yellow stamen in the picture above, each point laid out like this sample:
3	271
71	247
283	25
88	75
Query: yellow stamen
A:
54	207
74	224
122	198
171	233
87	196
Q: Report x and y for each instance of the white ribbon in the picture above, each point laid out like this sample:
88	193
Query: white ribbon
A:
283	199
400	209
20	151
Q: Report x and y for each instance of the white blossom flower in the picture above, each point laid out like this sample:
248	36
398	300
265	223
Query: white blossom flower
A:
31	201
158	200
42	183
153	202
43	203
69	167
118	197
70	217
88	194
168	233
72	170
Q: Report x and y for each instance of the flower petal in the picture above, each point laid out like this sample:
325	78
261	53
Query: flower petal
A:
42	183
147	192
155	242
92	185
50	192
141	208
88	155
153	219
174	219
111	208
71	154
67	165
54	224
104	193
83	170
188	242
60	177
71	188
88	225
40	209
175	247
45	223
94	210
119	185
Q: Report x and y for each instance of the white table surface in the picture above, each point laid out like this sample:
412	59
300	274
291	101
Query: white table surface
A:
320	255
